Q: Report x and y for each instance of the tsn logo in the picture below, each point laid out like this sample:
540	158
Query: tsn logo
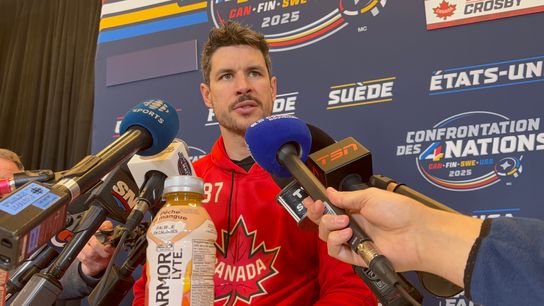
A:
283	105
337	154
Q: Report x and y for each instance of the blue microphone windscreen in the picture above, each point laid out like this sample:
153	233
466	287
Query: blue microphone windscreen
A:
159	118
266	136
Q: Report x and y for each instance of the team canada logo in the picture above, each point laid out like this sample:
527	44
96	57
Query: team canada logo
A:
242	267
444	10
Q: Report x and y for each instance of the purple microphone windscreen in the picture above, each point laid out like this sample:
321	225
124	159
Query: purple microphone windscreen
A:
156	116
266	136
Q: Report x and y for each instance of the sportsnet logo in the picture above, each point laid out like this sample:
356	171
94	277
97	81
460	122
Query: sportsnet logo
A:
292	24
285	104
152	104
473	150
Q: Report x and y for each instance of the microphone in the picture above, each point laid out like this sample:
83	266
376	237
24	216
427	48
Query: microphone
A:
20	178
279	144
117	281
149	172
291	199
347	166
292	193
174	160
43	288
35	212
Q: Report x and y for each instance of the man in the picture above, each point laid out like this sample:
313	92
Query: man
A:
81	276
497	261
262	257
9	163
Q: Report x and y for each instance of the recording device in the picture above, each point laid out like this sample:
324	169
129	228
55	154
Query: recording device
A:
41	259
35	212
43	288
279	144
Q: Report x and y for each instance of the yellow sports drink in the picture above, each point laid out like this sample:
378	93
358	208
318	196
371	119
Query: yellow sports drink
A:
181	250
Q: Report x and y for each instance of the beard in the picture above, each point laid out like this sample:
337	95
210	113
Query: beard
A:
234	124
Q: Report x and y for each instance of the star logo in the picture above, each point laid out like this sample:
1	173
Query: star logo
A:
242	266
505	165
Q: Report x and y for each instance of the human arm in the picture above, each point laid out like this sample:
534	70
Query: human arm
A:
411	235
85	272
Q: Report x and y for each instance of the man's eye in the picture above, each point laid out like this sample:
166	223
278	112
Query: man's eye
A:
254	73
226	76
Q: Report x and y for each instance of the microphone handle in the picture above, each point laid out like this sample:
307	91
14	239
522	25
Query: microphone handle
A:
88	226
44	288
360	242
386	294
291	199
34	264
386	183
149	198
119	281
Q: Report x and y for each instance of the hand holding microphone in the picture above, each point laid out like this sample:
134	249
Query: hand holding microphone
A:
411	235
279	144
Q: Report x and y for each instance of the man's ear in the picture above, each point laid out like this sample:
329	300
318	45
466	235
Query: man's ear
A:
205	92
273	84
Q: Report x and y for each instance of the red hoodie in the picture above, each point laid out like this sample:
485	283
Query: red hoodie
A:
263	258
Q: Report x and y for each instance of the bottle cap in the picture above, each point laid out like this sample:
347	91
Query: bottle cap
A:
183	183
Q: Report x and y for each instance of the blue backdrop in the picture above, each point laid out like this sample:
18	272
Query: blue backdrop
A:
454	112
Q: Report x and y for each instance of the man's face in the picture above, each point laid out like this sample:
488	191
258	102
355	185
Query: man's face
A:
240	90
7	168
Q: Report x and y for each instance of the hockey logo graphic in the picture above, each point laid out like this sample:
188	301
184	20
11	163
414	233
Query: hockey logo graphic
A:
292	24
473	150
243	266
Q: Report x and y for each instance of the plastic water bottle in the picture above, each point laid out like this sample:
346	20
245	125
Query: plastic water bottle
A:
181	251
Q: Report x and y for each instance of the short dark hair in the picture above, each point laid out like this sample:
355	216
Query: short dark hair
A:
11	156
232	34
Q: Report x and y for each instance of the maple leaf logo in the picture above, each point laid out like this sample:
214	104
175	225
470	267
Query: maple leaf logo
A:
444	10
242	267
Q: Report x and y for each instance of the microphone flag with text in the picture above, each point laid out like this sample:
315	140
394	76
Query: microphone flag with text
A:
347	166
34	213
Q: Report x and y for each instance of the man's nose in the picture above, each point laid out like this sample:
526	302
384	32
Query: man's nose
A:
243	85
